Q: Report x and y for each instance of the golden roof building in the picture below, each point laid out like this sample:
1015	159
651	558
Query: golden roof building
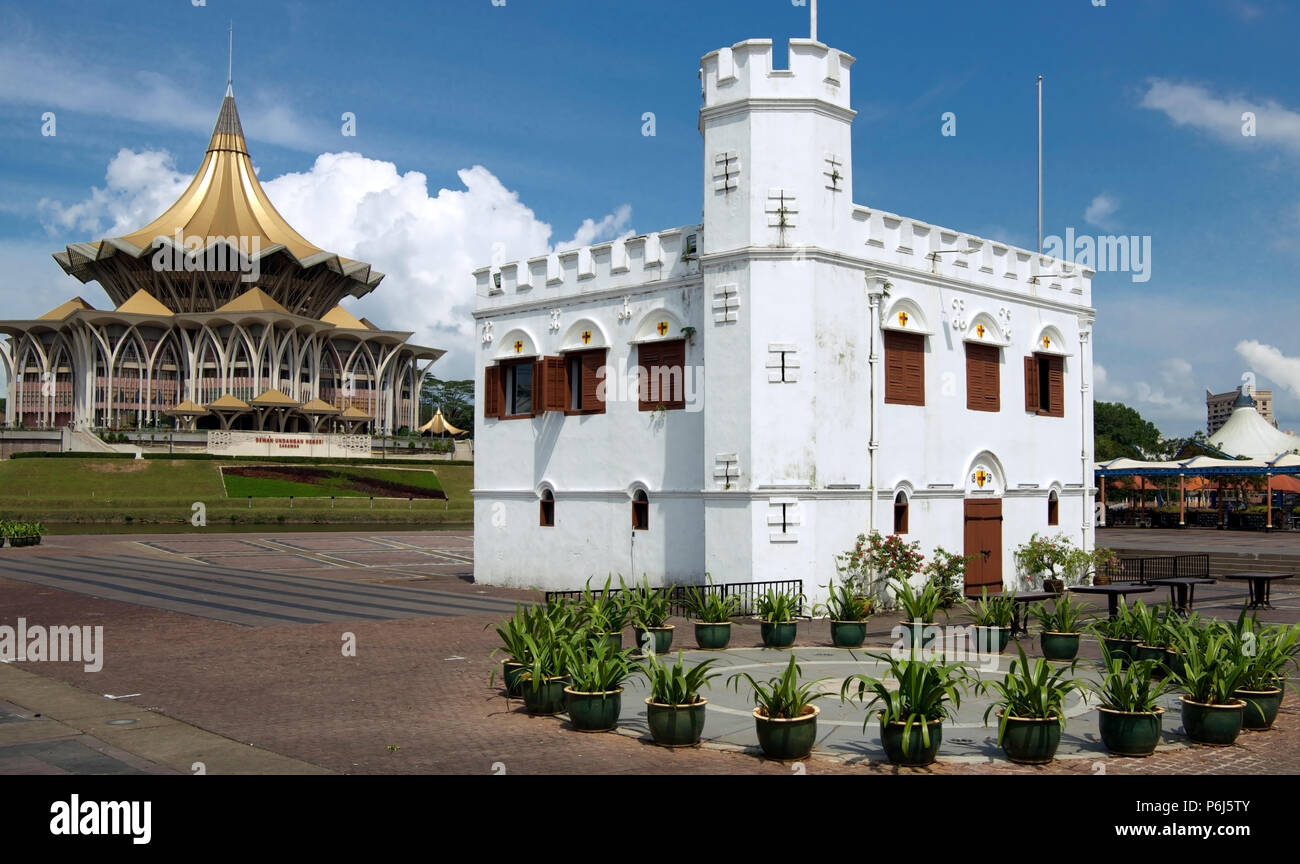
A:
220	307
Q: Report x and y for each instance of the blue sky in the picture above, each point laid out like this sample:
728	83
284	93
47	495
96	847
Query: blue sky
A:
1144	100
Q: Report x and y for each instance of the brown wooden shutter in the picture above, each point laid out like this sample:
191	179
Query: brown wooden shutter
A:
1031	384
592	364
1056	386
904	368
983	378
647	357
555	384
493	393
672	356
539	370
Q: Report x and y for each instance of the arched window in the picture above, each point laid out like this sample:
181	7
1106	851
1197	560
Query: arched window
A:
640	511
900	513
1053	508
547	509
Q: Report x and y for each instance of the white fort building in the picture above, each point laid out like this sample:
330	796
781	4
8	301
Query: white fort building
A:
832	370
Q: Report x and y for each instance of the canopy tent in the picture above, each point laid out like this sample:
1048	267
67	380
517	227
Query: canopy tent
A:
1247	433
1283	464
439	425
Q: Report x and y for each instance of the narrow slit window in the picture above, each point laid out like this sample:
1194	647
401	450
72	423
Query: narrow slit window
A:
547	507
640	511
1053	508
900	513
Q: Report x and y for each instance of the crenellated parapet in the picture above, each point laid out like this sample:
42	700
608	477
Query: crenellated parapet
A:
748	70
625	263
910	243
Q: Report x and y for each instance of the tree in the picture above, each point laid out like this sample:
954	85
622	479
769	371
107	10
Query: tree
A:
1124	427
455	398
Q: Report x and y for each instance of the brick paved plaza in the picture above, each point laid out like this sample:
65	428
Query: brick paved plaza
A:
219	642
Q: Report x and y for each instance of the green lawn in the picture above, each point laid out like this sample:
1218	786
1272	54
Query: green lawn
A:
64	493
341	482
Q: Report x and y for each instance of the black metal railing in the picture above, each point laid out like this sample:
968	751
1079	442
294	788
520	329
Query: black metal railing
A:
748	592
1158	567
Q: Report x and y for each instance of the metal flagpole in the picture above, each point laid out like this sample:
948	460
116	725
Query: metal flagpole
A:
813	4
1040	164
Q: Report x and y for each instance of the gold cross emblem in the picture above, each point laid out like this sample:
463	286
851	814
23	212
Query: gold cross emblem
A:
663	328
902	319
586	337
979	330
519	346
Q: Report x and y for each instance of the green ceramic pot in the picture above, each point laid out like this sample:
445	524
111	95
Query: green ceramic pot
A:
1031	740
1128	733
510	676
1261	707
1174	660
914	633
779	635
663	638
1061	647
1150	652
1216	725
614	639
712	636
1121	649
547	699
992	640
676	725
918	754
593	712
787	740
848	634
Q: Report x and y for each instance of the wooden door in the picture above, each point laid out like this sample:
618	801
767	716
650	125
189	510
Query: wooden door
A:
983	546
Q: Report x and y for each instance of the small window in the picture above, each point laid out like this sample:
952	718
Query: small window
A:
640	511
900	513
1045	385
518	383
547	509
983	377
1053	508
586	371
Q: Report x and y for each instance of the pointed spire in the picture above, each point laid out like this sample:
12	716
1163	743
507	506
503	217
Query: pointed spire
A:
228	134
230	63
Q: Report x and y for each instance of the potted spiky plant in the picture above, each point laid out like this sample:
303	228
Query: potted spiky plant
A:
1118	634
512	633
992	617
1213	671
1268	652
777	611
545	676
911	714
649	608
1030	706
1150	631
604	612
784	716
848	612
1129	716
1060	628
675	709
919	608
597	672
712	611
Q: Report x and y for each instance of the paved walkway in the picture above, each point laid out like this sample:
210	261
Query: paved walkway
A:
414	698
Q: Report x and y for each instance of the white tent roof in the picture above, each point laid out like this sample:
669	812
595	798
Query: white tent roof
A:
1248	434
438	425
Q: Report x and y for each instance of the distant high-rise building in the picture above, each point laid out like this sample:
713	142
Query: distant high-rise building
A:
1218	407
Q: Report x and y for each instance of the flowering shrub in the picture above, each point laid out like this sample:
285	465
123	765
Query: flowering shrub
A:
874	558
948	571
1057	558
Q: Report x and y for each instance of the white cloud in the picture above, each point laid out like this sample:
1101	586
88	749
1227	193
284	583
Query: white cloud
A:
1101	210
1271	363
1195	106
427	244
